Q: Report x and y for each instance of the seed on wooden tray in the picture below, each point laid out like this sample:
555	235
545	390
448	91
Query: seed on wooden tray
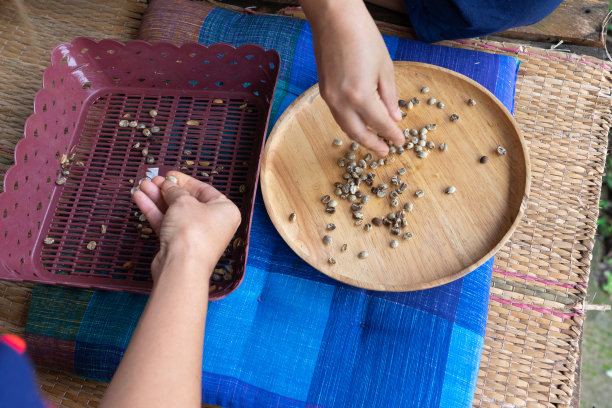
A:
330	210
365	199
443	146
292	217
394	244
332	203
414	140
454	117
422	154
450	190
404	114
471	102
144	152
407	235
337	142
374	165
415	100
484	159
133	123
409	145
400	149
391	216
431	144
394	202
367	227
410	105
414	132
395	230
393	194
325	199
402	103
341	162
351	198
61	181
368	157
354	146
152	113
381	193
440	105
356	207
48	241
327	240
330	226
424	89
418	148
392	150
358	222
501	151
350	155
91	245
124	123
150	159
331	260
344	247
431	126
401	171
338	191
422	143
402	187
363	255
358	215
377	221
419	193
193	123
146	132
102	229
431	101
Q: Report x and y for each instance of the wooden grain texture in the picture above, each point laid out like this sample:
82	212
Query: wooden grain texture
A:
574	21
453	234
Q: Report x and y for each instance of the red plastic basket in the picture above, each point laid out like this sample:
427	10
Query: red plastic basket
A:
212	107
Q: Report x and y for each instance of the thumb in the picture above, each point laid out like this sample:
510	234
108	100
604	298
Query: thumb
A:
172	192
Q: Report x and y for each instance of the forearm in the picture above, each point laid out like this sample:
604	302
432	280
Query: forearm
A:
163	363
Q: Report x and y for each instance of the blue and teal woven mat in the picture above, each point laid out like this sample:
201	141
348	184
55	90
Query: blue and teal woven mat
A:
290	336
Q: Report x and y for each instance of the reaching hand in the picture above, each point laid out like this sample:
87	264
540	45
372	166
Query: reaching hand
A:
355	72
190	218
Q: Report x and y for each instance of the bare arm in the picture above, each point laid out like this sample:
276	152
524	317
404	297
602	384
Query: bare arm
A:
162	366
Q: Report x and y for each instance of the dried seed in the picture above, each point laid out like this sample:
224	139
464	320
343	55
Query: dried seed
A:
344	247
332	203
368	157
424	89
418	148
443	146
431	126
217	100
91	245
354	146
155	129
213	172
217	277
66	172
292	217
386	222
393	194
377	221
128	265
404	114
394	244
450	190
141	126
102	229
338	191
394	202
402	103
146	132
325	199
142	218
422	143
409	145
127	115
484	159
400	149
471	102
152	113
501	151
193	123
419	193
395	230
204	174
331	261
242	188
145	236
407	235
365	199
381	162
356	207
381	193
410	105
431	145
391	216
144	152
327	240
422	154
363	255
48	241
147	231
431	101
136	145
150	159
212	288
414	140
330	210
350	155
358	222
133	123
401	171
357	215
60	181
341	162
337	142
124	123
415	100
367	227
374	165
454	117
392	150
330	227
440	105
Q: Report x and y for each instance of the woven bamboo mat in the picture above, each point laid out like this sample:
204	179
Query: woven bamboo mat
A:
564	107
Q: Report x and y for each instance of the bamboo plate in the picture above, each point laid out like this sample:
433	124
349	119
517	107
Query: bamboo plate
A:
453	233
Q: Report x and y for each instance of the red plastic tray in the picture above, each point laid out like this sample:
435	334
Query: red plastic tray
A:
87	90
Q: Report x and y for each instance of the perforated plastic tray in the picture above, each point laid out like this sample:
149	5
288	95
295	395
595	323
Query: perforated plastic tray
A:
89	87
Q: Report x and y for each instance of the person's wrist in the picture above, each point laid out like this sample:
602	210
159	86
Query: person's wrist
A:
191	263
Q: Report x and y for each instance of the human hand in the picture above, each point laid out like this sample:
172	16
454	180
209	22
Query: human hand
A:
355	72
191	218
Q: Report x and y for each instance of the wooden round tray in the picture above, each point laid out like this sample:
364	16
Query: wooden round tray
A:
453	234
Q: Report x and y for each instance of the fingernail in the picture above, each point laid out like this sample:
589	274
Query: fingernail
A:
398	114
172	179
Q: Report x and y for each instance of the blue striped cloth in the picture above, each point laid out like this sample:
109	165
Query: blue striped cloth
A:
290	336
